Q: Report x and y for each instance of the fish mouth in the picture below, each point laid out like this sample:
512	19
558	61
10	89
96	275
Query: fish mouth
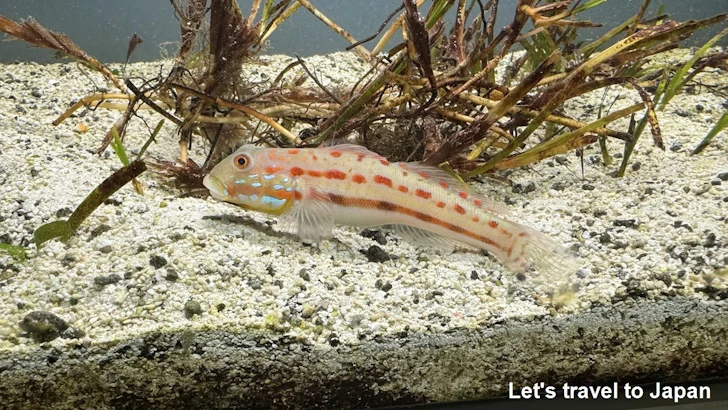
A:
217	188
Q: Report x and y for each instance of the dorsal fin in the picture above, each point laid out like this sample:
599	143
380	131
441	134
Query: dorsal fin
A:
359	150
451	183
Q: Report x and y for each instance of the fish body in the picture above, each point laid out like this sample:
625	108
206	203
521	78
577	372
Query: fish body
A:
312	189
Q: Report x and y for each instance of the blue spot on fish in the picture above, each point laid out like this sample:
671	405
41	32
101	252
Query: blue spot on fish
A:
253	176
271	200
269	176
256	185
289	189
254	197
277	187
285	180
239	181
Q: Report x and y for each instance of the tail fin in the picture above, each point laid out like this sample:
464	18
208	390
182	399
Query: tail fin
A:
539	256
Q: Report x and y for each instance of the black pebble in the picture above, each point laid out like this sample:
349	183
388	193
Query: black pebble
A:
629	223
157	261
376	254
43	326
63	212
375	235
524	189
107	280
709	240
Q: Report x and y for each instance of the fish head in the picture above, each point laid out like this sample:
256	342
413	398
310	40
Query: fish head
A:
249	178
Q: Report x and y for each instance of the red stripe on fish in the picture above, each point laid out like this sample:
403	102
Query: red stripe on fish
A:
392	207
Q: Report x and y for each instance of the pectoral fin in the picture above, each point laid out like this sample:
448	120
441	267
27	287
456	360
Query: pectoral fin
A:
311	216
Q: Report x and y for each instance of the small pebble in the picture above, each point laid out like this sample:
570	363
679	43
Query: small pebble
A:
376	254
192	308
157	261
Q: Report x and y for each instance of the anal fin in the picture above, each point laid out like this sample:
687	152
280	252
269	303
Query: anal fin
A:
422	237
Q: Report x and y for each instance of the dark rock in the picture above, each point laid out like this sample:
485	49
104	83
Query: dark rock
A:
376	254
675	146
474	275
107	280
628	223
63	212
157	261
558	186
375	235
172	275
192	308
303	274
43	326
723	176
709	240
588	187
100	230
524	189
636	166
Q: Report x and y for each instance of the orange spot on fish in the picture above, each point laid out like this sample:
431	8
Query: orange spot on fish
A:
444	184
509	251
440	204
296	171
522	234
476	219
313	173
403	188
384	161
404	174
272	169
493	224
459	209
423	175
314	157
297	195
478	202
336	154
505	232
334	174
360	156
383	180
359	179
423	194
463	194
293	151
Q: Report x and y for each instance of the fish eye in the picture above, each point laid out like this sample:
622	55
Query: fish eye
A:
241	161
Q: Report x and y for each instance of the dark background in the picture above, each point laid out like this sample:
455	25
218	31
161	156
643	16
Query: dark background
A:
103	27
